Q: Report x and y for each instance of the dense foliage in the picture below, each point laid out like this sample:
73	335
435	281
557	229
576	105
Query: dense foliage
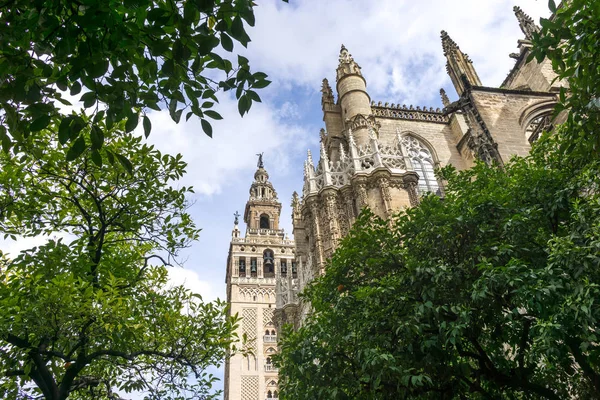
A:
93	313
491	292
119	58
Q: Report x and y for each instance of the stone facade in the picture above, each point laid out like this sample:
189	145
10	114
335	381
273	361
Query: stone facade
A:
379	155
383	155
256	262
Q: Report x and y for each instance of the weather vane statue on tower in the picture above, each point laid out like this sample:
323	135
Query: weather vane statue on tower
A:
260	160
237	218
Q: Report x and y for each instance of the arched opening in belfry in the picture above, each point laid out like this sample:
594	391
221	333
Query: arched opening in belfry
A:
264	222
268	263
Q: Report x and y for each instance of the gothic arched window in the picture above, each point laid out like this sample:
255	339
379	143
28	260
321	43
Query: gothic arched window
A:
423	164
264	222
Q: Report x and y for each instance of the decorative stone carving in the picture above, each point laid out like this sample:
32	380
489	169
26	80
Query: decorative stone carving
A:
445	99
327	93
249	387
411	181
526	23
347	64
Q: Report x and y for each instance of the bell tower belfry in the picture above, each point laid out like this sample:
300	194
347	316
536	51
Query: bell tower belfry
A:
256	261
263	208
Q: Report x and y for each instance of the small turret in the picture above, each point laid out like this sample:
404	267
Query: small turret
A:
526	23
352	93
459	66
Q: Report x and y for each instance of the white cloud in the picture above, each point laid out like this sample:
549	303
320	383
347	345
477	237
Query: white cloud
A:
12	248
215	163
191	280
397	43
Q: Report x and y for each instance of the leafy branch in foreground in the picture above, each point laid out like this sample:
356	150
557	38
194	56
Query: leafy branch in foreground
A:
92	313
120	58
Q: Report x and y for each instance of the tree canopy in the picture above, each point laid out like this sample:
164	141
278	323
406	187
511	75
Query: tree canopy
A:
490	292
119	58
91	313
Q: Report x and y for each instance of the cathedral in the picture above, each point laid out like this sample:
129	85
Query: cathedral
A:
376	155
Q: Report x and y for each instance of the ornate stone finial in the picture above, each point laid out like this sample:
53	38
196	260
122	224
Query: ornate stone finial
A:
309	158
295	201
448	44
327	93
351	138
345	56
324	157
347	64
260	164
458	64
526	23
323	135
342	152
445	99
237	218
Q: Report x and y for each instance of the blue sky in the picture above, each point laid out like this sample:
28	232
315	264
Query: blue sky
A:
397	44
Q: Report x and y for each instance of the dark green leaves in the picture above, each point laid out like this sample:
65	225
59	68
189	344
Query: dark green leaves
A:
206	127
132	122
76	149
226	42
97	137
147	126
122	58
40	123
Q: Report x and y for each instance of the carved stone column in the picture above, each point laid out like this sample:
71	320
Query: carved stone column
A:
348	207
411	180
360	191
314	211
384	187
332	216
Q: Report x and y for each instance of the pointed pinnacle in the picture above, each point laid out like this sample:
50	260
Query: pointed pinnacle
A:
447	43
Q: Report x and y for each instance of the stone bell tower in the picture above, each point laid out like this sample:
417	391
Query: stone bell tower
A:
255	263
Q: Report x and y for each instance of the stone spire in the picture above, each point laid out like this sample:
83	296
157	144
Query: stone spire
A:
327	93
263	202
347	64
526	23
459	66
445	99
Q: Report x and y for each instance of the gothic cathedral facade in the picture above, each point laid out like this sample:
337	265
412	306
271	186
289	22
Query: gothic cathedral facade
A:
381	156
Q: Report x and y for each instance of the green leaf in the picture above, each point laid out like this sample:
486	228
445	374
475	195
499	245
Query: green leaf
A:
63	130
132	122
552	5
206	127
97	158
213	114
243	105
147	126
6	141
39	123
124	161
76	149
226	42
88	99
97	137
252	95
261	84
75	88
